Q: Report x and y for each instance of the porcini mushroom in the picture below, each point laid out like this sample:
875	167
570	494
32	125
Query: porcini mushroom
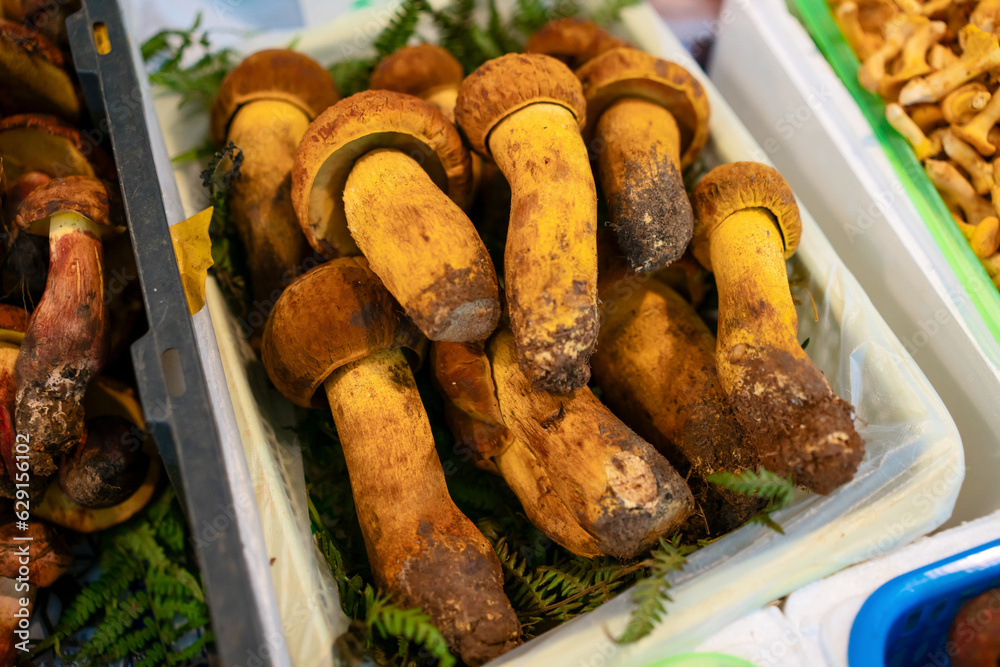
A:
337	332
264	106
48	558
463	375
573	40
746	225
426	71
981	55
33	76
649	120
387	174
13	322
655	363
568	452
524	111
113	474
66	341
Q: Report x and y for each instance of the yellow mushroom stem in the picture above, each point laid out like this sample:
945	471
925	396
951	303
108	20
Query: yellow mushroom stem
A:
423	247
985	238
444	98
981	55
620	489
551	253
797	423
976	131
928	117
957	191
862	43
914	58
962	105
941	56
639	165
268	132
902	123
421	548
966	157
873	68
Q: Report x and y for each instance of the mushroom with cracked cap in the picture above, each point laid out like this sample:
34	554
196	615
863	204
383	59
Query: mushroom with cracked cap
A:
525	111
386	174
337	333
746	224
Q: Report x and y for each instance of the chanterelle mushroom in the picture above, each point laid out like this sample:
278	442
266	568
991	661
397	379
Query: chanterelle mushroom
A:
389	172
577	457
649	119
336	331
264	106
525	112
655	362
746	224
574	41
66	341
32	74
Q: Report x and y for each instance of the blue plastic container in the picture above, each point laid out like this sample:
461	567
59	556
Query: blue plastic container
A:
905	622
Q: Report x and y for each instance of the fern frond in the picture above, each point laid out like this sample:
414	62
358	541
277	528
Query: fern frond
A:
411	625
762	484
401	27
650	594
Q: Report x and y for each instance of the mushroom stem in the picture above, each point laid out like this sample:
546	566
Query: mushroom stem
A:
619	488
269	131
65	343
551	253
795	420
655	361
412	234
639	166
444	98
421	548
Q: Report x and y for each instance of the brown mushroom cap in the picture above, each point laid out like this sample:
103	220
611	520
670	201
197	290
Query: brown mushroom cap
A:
48	555
337	313
32	74
275	74
506	84
13	318
93	199
574	41
626	72
415	70
43	143
737	186
353	127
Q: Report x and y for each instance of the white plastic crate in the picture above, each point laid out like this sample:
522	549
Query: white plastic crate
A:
912	443
767	66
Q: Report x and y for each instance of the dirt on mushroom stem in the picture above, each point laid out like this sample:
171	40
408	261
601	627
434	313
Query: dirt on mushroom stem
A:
795	422
63	349
550	262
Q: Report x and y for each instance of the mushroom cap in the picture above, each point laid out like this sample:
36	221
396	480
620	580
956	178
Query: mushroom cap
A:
13	318
502	86
44	143
274	74
336	313
33	75
48	558
574	41
737	186
415	70
95	200
625	72
349	129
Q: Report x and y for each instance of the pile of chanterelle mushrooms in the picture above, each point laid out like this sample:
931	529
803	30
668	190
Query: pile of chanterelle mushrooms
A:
380	185
72	441
936	64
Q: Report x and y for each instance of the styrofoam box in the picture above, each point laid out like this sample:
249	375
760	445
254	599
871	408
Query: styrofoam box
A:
905	488
767	66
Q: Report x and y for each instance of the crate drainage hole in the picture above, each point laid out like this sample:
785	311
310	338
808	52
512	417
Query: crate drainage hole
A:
101	39
173	374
